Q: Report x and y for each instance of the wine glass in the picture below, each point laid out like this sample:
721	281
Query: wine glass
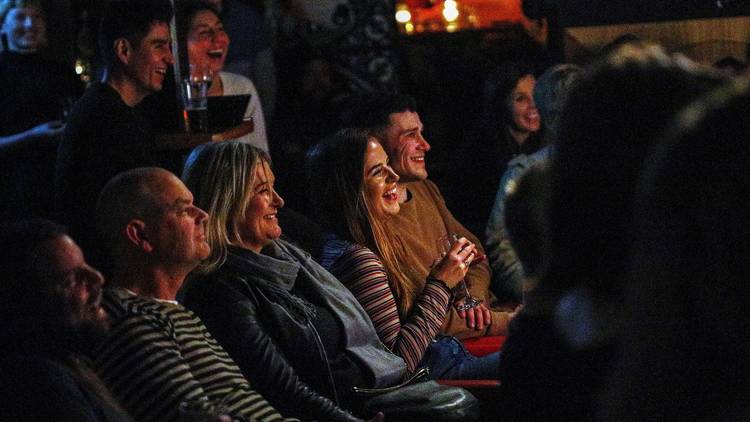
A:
445	243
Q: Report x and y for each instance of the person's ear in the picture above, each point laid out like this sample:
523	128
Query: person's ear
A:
136	234
123	50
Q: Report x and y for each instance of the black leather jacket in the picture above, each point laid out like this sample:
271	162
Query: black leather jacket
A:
274	351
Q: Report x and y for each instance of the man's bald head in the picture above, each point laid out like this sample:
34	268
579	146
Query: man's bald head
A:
132	194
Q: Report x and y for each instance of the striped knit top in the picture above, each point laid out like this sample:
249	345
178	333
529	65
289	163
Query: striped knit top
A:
159	354
359	269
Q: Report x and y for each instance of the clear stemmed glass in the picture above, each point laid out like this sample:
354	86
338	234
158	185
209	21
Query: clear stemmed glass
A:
444	244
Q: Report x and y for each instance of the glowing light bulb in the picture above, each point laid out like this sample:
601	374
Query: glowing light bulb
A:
450	14
403	16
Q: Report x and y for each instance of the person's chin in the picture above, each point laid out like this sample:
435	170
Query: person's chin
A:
274	233
205	253
91	332
418	176
216	66
391	211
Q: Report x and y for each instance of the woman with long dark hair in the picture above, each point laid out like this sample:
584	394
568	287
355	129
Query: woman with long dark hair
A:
354	191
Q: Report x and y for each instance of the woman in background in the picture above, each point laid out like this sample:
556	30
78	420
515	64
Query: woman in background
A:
549	95
207	45
508	126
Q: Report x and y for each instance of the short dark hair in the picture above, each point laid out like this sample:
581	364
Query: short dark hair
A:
26	299
18	241
130	194
132	20
372	111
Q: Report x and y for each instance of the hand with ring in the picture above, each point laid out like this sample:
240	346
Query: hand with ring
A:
451	268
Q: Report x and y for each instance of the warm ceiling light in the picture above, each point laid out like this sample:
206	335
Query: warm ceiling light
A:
450	10
403	16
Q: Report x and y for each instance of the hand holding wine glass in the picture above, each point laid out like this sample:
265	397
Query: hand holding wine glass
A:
457	254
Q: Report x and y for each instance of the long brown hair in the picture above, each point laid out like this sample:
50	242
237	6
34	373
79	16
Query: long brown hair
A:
336	178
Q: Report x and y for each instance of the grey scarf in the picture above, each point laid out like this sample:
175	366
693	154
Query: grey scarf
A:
282	264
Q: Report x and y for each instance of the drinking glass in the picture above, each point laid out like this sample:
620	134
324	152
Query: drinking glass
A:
445	243
195	97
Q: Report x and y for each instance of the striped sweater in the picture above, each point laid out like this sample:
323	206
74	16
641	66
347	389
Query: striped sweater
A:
359	269
159	354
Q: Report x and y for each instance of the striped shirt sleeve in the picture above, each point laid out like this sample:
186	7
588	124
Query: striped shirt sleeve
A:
153	362
364	274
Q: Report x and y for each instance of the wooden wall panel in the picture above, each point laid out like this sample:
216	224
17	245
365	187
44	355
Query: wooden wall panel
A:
703	40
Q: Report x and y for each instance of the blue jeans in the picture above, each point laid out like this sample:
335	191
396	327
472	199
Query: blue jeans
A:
447	358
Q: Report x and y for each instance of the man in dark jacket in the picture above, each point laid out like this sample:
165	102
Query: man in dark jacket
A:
105	134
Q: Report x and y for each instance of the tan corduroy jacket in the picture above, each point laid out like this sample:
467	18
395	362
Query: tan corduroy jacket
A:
422	220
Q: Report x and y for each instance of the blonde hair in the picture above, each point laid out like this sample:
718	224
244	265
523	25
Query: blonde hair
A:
221	177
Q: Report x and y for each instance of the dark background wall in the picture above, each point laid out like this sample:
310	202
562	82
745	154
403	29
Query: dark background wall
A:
607	12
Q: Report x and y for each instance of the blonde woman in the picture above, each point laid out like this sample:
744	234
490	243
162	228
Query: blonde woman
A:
293	329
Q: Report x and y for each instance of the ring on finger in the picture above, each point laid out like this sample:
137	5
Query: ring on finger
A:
462	265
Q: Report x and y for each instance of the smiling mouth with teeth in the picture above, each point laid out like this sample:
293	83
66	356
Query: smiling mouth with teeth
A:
390	194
